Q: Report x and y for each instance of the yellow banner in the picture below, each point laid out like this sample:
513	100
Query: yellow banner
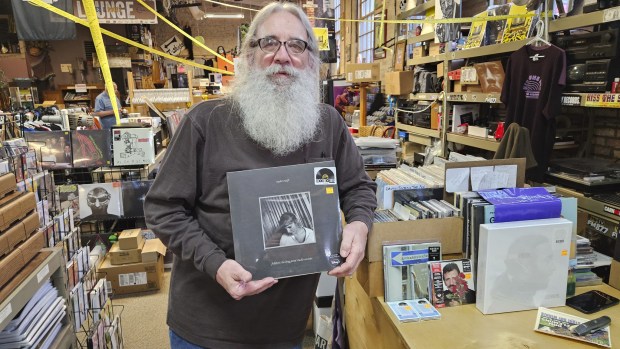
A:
607	100
322	38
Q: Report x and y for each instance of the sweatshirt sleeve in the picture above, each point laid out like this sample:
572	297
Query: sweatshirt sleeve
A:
356	190
170	203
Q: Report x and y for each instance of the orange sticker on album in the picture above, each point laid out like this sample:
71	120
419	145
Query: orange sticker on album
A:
467	275
329	190
564	253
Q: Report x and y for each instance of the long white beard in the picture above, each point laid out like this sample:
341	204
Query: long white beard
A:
278	113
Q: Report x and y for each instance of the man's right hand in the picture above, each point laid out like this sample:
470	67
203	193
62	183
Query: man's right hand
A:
238	281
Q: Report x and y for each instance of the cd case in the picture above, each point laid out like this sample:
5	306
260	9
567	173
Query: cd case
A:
287	222
414	310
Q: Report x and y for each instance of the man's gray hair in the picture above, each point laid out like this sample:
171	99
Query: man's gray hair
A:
250	45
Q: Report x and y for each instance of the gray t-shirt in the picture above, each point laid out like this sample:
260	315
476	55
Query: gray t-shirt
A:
188	209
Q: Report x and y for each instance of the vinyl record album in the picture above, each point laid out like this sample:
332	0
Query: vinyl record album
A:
91	148
133	197
53	148
100	201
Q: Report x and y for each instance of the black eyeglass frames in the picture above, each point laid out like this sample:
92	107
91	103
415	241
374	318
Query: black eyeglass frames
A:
271	45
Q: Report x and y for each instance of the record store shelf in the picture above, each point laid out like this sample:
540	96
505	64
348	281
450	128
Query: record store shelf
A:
585	20
474	97
419	10
472	141
425	60
418	130
16	300
420	38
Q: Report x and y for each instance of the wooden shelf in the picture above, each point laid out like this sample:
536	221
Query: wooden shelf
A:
419	10
487	50
565	146
426	60
77	100
418	130
584	20
425	96
476	142
473	97
421	38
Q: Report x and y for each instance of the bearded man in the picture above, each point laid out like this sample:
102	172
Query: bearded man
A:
272	118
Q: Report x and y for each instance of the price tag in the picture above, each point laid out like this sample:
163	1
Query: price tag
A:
491	100
43	273
5	312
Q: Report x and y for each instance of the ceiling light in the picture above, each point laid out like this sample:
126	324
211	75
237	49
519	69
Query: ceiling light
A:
224	15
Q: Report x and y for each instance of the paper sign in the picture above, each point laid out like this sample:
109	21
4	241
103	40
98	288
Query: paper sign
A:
511	172
482	178
173	46
457	179
322	38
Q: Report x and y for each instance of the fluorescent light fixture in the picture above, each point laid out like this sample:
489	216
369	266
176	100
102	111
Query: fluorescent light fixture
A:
224	15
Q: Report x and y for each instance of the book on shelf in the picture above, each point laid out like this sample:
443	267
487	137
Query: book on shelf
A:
296	210
560	324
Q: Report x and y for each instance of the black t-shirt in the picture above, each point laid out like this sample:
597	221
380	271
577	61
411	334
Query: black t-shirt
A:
535	78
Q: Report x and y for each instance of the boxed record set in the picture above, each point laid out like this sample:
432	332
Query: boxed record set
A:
406	270
288	222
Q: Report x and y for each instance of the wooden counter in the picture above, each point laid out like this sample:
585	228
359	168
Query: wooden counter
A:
459	327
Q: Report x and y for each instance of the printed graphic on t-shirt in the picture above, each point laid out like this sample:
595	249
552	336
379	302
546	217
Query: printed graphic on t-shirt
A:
532	87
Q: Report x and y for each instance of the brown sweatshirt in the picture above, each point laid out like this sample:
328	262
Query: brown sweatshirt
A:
188	209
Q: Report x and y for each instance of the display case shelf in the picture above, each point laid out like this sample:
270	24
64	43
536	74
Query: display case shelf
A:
425	96
585	20
488	50
418	130
472	141
426	60
419	10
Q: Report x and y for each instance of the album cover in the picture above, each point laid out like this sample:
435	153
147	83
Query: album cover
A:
53	148
297	210
100	201
133	146
518	28
133	197
447	9
405	269
477	32
69	197
451	283
91	148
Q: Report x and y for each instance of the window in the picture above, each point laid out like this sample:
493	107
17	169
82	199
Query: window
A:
337	9
366	30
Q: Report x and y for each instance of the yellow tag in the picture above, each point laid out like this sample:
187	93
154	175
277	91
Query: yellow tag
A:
329	190
564	253
467	275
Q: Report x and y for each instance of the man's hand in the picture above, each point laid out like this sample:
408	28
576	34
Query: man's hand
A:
238	281
352	248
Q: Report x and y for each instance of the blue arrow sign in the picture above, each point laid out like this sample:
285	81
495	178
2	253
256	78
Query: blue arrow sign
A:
400	258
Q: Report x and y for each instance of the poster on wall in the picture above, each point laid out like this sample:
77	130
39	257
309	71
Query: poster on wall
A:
173	46
119	11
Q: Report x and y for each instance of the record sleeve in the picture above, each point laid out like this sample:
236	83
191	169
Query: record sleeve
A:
133	146
69	197
100	201
287	222
91	148
53	148
451	283
133	197
405	269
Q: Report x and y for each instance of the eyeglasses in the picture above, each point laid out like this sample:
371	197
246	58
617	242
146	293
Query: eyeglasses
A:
271	45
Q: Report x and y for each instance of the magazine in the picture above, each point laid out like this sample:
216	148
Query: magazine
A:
287	222
559	324
451	283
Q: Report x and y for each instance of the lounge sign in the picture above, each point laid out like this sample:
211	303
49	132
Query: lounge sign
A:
119	11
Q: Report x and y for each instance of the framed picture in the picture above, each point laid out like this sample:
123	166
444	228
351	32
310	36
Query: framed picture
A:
399	55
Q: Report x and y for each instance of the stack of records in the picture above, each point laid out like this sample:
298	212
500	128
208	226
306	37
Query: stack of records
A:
587	259
377	151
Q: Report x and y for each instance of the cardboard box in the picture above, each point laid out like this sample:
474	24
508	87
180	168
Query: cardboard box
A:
7	183
132	278
399	83
523	265
440	69
15	206
434	49
477	131
418	52
152	249
130	239
19	257
363	72
614	274
457	87
18	232
448	231
435	116
118	256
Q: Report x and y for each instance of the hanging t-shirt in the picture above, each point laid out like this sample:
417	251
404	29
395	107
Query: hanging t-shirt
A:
535	78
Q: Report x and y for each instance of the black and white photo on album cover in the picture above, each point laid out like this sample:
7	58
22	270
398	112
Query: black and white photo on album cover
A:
287	223
100	201
287	220
53	148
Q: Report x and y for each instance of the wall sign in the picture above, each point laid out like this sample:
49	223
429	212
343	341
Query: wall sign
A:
173	46
119	11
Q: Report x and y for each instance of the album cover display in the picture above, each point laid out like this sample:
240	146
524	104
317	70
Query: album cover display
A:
53	148
287	222
91	148
134	193
133	146
68	197
100	201
452	283
405	269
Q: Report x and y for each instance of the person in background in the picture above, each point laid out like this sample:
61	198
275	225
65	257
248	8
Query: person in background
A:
293	231
272	118
103	108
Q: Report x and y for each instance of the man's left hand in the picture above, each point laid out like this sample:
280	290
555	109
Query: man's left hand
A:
352	248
